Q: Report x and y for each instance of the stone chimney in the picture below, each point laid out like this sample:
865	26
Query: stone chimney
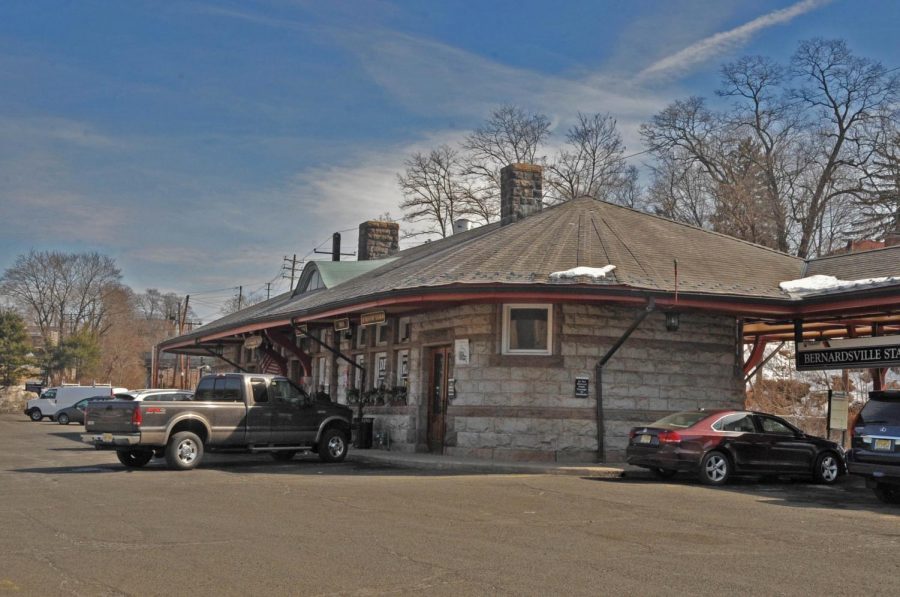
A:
461	225
521	192
378	240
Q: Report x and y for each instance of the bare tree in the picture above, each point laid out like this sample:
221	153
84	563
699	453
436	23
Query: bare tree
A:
880	206
62	291
592	162
808	125
154	305
433	191
510	135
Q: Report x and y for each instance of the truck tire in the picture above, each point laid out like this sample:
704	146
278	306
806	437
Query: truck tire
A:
184	451
333	445
133	458
36	414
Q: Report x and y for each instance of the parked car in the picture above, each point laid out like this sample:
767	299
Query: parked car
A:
251	412
75	413
875	447
59	397
156	395
719	444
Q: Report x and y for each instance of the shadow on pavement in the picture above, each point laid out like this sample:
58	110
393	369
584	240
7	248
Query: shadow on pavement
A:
849	493
256	464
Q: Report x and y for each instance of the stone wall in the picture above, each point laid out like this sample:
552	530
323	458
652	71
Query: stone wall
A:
524	407
14	398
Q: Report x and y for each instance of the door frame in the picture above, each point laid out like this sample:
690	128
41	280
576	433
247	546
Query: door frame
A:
433	423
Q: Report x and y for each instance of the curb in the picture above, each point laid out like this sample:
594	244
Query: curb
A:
487	467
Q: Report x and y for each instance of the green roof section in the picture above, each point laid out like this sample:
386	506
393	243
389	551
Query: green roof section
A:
334	273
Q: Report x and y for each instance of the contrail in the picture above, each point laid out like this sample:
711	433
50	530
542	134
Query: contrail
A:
716	45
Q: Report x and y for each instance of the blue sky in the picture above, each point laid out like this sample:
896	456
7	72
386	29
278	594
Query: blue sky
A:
198	143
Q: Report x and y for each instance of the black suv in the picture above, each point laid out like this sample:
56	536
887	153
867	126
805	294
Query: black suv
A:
876	445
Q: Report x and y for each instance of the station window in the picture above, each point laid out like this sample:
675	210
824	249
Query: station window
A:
381	334
402	367
361	337
403	330
380	368
527	329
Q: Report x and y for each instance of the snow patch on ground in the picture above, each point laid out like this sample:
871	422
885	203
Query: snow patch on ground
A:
596	273
821	284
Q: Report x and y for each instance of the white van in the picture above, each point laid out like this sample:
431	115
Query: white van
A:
60	397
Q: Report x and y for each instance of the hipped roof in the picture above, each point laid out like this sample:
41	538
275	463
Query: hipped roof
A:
583	232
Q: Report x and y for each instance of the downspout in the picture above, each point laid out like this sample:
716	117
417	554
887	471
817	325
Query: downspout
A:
601	451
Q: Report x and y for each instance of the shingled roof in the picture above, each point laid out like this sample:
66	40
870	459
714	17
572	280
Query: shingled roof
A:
582	232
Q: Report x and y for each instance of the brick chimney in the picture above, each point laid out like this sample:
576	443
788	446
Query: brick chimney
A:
521	192
378	240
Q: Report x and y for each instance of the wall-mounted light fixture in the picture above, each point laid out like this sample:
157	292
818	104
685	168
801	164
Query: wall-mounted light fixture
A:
672	320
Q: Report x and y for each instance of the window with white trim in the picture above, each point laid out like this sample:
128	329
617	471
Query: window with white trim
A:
402	367
527	329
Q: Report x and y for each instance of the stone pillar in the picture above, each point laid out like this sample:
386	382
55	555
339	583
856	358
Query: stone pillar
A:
521	192
378	240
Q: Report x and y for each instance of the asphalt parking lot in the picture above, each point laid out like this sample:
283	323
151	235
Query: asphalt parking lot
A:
75	522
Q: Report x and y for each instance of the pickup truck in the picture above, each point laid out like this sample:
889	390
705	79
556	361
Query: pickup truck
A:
246	412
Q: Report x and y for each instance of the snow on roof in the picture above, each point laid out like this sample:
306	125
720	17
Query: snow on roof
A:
820	284
597	273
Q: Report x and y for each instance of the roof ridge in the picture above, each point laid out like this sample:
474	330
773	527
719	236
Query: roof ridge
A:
692	226
840	255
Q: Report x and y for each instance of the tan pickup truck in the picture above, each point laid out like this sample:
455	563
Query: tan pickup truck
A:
247	412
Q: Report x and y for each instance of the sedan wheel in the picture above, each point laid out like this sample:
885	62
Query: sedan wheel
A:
715	468
828	469
62	419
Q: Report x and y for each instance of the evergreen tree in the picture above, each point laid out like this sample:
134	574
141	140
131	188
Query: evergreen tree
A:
14	347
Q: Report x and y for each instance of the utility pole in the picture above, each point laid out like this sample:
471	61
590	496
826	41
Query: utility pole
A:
181	358
293	267
268	290
240	297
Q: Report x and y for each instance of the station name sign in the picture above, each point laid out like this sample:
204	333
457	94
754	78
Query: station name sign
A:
372	318
852	353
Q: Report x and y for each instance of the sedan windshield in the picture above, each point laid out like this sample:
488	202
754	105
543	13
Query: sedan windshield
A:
681	420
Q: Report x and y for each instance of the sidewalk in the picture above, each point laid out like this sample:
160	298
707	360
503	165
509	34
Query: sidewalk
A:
437	462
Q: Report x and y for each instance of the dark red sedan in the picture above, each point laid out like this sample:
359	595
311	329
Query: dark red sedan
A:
717	444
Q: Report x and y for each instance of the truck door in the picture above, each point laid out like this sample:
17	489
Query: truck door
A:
294	418
259	413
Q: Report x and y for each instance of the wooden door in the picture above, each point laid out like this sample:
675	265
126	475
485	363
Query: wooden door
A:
439	363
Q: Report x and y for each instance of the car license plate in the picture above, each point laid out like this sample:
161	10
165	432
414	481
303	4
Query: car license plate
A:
107	437
645	439
883	444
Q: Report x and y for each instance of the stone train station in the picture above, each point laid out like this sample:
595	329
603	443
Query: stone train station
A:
547	335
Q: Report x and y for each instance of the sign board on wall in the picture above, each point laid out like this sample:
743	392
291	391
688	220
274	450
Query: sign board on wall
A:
838	410
341	324
850	353
251	342
582	387
372	318
461	352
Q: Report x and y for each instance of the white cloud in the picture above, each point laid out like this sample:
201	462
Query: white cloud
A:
714	46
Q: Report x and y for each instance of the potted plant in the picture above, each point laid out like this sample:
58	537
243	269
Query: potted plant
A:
398	396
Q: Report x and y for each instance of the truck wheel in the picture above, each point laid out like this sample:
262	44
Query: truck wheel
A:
184	451
134	458
283	455
62	419
333	445
36	415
